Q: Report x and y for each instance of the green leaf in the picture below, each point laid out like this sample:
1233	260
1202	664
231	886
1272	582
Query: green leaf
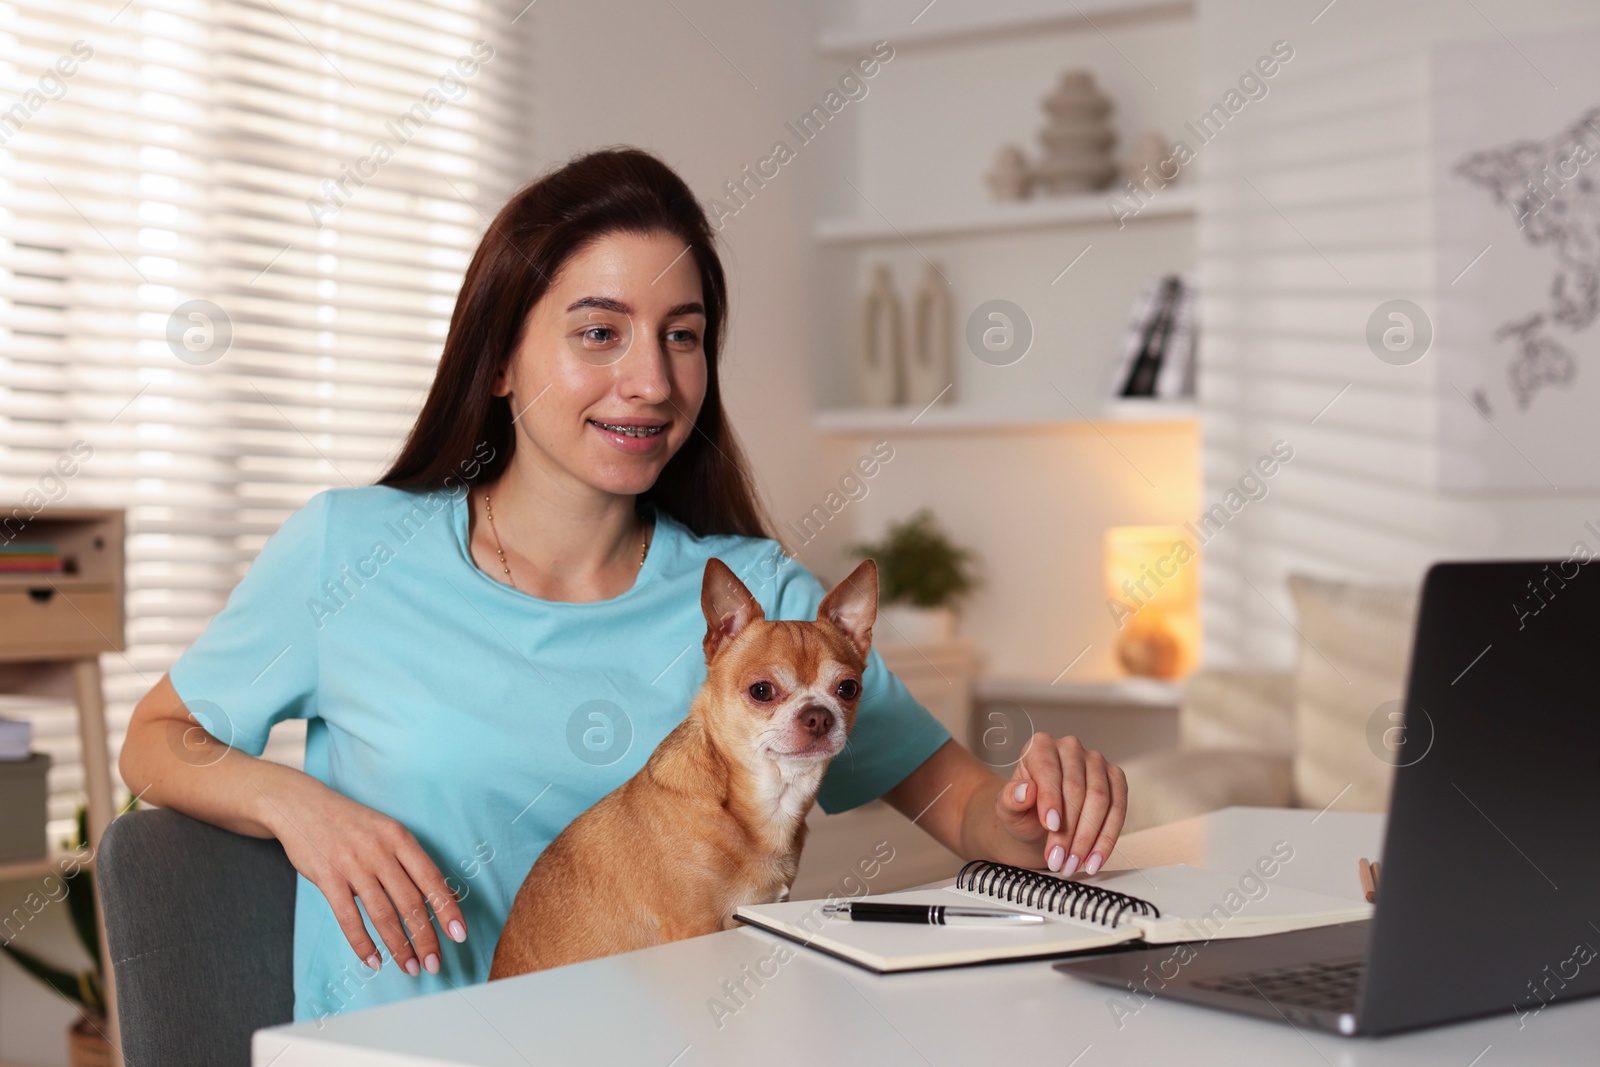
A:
80	894
63	982
94	1001
81	890
80	903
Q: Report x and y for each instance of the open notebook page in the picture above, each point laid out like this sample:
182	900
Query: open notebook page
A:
1198	904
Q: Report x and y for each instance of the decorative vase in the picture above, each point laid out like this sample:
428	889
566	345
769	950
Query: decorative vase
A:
882	344
87	1045
1077	138
930	364
913	625
1010	178
1143	164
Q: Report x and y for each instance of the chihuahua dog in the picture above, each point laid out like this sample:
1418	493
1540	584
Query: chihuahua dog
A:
717	816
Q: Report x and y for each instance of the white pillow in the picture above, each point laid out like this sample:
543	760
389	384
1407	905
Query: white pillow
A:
1354	649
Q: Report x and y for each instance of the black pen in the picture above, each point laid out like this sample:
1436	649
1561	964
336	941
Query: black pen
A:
934	914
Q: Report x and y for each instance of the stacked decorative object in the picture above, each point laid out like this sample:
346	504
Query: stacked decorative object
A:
1077	138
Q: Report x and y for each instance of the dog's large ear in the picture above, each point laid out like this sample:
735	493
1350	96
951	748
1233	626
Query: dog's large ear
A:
852	606
727	604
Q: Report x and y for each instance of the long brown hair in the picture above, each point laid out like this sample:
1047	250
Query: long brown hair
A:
706	485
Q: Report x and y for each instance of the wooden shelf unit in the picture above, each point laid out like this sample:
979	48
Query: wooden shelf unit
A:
53	628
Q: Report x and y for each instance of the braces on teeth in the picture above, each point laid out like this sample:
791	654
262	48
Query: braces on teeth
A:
629	431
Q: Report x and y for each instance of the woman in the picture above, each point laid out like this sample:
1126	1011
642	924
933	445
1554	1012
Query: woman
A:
500	632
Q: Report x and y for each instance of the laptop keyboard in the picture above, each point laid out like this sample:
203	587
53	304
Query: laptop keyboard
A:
1329	985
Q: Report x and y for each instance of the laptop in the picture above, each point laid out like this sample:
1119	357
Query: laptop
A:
1489	883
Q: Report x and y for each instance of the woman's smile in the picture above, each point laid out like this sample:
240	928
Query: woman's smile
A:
634	436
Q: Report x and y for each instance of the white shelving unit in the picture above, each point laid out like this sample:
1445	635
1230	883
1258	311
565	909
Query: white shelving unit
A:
1026	459
908	213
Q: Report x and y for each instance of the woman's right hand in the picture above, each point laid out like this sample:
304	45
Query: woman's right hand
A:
349	851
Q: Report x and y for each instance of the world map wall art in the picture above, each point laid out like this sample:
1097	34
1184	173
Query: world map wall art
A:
1516	197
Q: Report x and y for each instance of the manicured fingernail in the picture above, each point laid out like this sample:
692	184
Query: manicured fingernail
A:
411	967
1095	860
1052	819
432	963
1021	792
1072	865
458	933
374	961
1055	858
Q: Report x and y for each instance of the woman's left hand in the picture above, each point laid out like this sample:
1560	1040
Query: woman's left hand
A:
1069	800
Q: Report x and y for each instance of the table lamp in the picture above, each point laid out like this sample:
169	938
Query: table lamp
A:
1152	590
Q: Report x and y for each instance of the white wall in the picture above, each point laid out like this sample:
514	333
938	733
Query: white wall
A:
1340	147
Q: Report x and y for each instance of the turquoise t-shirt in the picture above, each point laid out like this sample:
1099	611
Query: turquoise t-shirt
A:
481	718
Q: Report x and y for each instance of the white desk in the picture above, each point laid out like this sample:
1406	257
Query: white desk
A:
651	1007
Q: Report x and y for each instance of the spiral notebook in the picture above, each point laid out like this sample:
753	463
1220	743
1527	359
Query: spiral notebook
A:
1156	905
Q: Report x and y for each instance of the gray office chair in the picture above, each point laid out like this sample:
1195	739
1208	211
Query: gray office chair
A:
200	923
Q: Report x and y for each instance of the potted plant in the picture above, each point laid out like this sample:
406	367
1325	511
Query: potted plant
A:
921	575
87	1044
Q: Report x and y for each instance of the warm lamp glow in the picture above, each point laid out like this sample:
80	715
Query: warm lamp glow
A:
1153	591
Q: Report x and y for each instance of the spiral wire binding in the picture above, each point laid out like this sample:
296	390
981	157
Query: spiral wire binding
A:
1077	900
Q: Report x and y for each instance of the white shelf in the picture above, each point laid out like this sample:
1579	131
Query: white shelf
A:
1082	209
1085	16
949	418
1120	410
937	419
1119	692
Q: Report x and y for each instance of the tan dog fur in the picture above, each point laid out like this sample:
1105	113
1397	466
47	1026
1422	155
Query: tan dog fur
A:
717	816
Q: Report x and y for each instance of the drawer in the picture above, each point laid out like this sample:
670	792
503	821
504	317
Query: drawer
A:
73	620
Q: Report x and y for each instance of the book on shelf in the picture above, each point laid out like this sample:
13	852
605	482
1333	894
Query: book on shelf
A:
30	559
1156	360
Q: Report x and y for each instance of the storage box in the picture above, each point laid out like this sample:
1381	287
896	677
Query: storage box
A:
23	809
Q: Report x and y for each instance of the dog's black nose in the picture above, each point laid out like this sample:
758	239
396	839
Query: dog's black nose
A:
816	720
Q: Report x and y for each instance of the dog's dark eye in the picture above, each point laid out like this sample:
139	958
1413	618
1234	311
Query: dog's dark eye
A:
761	692
848	689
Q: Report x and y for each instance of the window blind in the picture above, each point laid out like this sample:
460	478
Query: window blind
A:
231	235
